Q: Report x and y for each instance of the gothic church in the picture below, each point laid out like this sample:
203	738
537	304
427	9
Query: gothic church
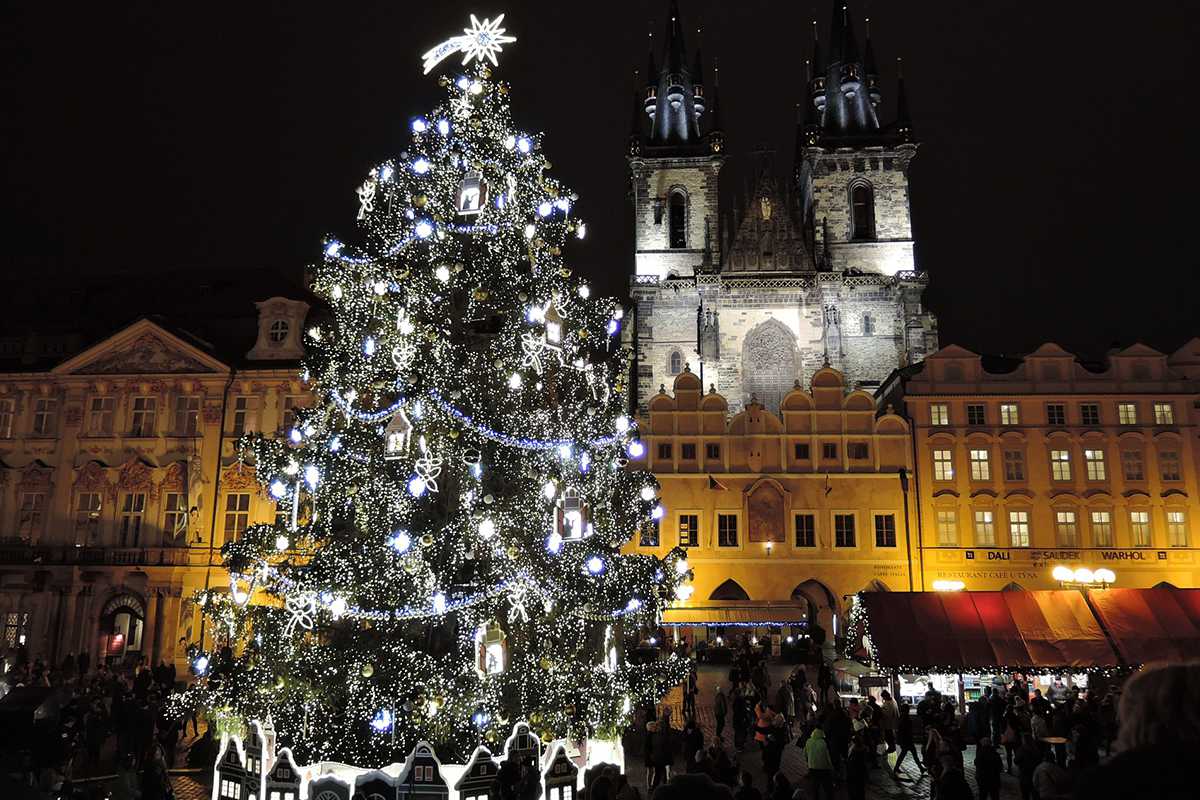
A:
809	271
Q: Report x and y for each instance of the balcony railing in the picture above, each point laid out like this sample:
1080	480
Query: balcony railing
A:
67	555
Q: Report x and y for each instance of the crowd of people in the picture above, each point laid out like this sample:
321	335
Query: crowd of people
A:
1050	743
101	721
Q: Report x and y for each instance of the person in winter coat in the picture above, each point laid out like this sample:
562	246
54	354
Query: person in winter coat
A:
777	737
889	717
904	738
820	765
785	704
693	742
858	765
988	767
1028	758
720	709
953	786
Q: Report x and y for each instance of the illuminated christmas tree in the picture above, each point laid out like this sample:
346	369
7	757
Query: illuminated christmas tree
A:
446	557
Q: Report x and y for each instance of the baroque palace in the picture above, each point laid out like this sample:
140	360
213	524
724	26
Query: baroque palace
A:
811	439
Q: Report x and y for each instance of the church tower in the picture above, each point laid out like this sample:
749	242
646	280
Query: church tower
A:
673	166
853	170
812	271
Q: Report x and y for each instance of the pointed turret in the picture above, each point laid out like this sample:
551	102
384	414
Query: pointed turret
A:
698	79
871	70
675	48
635	127
816	83
651	103
716	133
904	128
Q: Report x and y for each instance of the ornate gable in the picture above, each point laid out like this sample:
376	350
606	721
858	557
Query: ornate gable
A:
143	348
767	237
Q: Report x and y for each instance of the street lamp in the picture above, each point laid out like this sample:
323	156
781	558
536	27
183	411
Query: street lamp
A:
1083	577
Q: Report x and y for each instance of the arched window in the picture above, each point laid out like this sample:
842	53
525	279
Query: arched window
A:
677	219
729	590
676	362
868	325
862	211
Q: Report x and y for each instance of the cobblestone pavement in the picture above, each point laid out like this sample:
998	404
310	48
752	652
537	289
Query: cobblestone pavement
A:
190	787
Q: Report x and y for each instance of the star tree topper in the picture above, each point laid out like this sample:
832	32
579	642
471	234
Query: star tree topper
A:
481	40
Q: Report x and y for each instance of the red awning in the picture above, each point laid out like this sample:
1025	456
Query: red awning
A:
968	631
1151	624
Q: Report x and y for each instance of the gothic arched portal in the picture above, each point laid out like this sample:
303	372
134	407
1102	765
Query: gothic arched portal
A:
769	368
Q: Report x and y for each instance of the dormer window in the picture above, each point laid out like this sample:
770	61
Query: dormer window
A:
278	331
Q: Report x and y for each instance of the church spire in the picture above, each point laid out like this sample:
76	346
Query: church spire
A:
716	133
635	127
675	99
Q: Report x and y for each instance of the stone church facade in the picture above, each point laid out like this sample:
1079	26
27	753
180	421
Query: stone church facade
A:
808	271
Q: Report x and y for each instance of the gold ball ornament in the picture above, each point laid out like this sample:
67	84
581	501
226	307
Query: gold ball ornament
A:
279	682
502	88
544	663
367	670
511	552
453	434
556	251
427	540
535	717
420	200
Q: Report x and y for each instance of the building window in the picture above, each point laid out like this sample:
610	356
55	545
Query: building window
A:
45	414
1139	528
677	220
16	628
1060	465
981	467
727	530
806	530
278	330
237	515
132	511
868	325
87	517
1056	414
689	530
8	409
1133	465
174	514
687	451
862	212
1066	529
843	530
1102	529
245	415
947	528
1177	535
829	451
1094	459
1164	414
664	451
943	465
1018	528
31	514
649	534
857	451
939	414
142	420
1009	414
1168	465
291	404
885	530
985	529
1127	413
1089	414
976	414
100	416
801	451
712	451
1014	465
676	362
187	416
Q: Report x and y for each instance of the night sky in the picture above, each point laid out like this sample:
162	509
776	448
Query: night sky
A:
1052	195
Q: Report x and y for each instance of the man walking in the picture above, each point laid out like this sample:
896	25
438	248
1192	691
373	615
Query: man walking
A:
720	709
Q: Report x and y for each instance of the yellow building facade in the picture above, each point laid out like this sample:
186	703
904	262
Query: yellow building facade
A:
119	484
783	516
1024	465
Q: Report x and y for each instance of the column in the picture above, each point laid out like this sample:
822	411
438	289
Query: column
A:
82	623
170	625
150	628
66	625
156	647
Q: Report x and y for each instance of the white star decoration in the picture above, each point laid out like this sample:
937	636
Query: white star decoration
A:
481	41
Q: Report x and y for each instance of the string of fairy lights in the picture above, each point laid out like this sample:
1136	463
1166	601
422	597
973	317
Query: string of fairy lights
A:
447	554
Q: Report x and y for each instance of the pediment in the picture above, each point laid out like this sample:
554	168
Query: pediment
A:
144	348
